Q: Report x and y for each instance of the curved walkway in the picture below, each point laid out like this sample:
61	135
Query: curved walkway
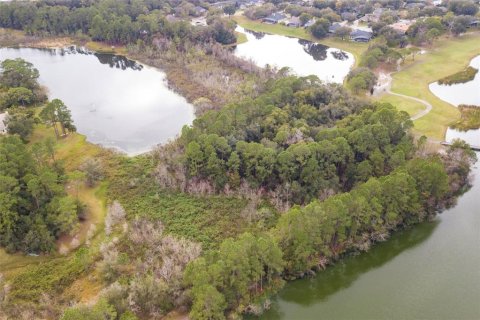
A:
385	87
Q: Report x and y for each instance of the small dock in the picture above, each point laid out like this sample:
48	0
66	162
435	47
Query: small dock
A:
473	147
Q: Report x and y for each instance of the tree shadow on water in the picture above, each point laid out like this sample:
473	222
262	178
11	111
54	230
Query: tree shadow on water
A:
344	273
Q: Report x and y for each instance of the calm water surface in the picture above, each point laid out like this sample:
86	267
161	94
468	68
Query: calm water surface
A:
303	57
115	102
462	93
431	271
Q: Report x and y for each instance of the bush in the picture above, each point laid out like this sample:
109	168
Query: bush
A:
460	77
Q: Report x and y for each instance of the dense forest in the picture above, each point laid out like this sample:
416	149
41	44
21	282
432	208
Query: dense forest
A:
117	22
35	209
277	178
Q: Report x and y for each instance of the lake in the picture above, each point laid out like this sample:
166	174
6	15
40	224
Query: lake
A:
431	271
461	93
115	102
302	56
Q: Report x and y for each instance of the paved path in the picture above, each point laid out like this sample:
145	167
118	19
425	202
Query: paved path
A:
385	85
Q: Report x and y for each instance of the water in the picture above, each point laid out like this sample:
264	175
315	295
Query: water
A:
461	93
303	57
472	137
115	102
431	271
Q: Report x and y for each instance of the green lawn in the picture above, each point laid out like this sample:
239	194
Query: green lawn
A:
407	105
448	56
354	48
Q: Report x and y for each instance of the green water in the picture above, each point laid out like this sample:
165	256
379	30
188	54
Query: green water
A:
431	271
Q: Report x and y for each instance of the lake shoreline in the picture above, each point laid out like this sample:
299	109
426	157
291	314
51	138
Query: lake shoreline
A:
178	76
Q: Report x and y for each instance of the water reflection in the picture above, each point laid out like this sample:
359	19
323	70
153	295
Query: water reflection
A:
115	101
335	278
257	35
316	50
471	137
303	57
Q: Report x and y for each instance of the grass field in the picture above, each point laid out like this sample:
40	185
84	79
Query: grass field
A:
409	106
354	48
448	56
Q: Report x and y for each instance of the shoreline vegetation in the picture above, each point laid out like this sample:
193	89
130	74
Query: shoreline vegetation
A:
355	48
460	77
289	172
469	119
452	54
194	71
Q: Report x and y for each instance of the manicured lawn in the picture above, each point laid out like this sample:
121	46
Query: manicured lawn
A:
448	56
354	48
407	105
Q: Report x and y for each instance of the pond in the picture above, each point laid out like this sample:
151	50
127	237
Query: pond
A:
430	271
461	93
115	102
302	56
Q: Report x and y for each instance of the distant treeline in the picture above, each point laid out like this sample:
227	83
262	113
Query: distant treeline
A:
119	22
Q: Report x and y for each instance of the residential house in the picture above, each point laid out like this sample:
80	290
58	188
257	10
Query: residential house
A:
294	22
309	23
274	18
361	36
200	11
474	23
402	26
334	27
373	17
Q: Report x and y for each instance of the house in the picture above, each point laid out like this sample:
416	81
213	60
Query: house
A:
294	22
200	11
309	23
222	4
361	36
348	16
474	23
334	27
373	17
3	127
274	18
402	26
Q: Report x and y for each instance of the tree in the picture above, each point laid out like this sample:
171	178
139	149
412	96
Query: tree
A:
18	97
93	171
57	112
49	117
18	73
20	121
320	28
34	208
304	18
64	116
100	311
230	9
361	79
209	304
343	32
